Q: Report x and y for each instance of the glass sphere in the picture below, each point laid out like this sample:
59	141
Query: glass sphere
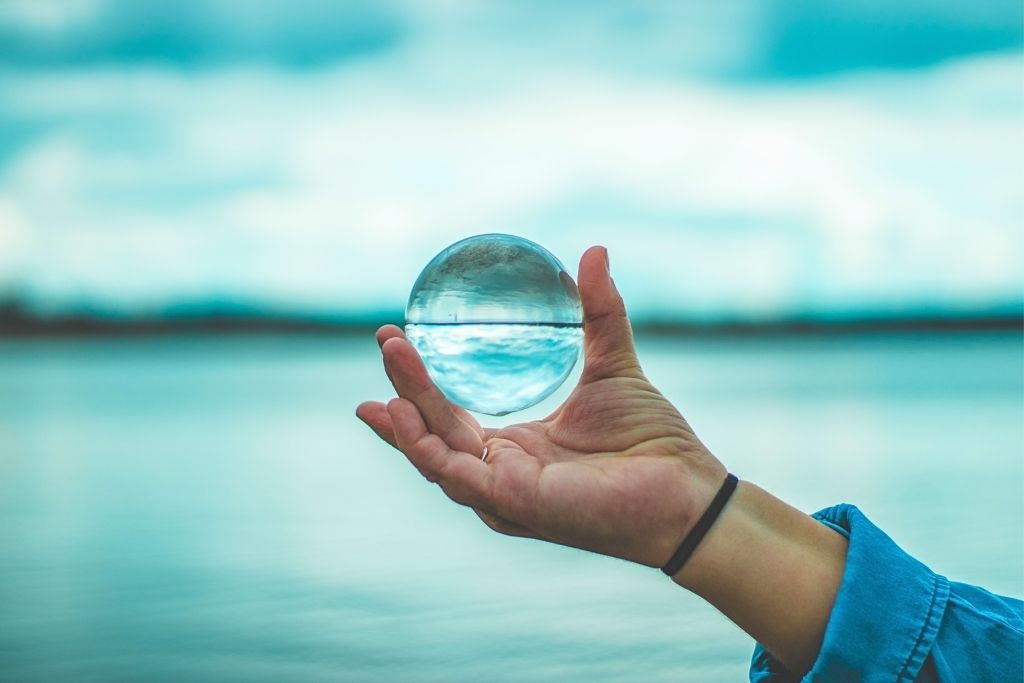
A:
498	322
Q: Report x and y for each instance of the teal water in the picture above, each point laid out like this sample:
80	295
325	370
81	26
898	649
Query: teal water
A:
208	509
497	368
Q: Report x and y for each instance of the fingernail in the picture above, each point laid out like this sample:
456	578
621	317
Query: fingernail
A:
607	265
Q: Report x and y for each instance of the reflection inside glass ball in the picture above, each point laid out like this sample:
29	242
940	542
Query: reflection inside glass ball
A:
498	322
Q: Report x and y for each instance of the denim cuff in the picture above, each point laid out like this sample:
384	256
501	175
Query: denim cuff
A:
886	615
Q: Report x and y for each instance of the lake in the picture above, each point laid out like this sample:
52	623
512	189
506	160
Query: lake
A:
209	509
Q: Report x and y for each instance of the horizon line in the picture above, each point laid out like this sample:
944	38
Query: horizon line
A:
18	323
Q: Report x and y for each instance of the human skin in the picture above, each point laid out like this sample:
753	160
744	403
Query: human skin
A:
617	470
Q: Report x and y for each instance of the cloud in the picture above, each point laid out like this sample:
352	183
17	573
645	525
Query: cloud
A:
195	34
329	190
48	18
733	38
804	39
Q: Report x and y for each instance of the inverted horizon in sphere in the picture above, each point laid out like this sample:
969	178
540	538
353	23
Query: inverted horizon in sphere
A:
497	321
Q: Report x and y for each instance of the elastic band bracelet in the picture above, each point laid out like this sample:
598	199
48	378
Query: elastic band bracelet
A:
697	533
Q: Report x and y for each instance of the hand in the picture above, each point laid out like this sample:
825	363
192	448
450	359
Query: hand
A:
615	469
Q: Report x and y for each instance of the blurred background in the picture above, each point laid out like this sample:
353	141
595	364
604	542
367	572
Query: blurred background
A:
814	213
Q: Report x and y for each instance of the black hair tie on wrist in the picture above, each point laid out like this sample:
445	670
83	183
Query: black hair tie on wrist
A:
699	530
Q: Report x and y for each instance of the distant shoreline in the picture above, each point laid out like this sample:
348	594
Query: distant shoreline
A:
15	327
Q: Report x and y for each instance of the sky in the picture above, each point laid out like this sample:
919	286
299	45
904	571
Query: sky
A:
739	158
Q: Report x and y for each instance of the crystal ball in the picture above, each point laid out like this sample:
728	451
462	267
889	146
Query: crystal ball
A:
497	321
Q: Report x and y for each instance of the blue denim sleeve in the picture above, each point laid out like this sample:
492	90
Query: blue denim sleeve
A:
896	620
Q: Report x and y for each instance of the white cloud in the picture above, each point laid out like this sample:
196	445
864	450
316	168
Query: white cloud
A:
15	240
329	190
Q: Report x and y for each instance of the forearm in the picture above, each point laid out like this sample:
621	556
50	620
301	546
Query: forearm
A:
773	571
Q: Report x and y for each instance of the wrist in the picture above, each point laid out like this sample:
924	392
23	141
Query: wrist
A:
692	494
773	570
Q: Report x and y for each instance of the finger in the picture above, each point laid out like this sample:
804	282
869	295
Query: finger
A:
395	332
608	339
464	478
389	332
503	526
375	415
384	333
409	375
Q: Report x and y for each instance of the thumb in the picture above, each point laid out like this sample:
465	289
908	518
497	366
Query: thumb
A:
608	340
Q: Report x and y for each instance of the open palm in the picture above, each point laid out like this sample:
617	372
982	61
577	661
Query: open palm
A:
615	469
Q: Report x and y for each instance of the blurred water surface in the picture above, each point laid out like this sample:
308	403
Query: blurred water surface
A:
208	508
